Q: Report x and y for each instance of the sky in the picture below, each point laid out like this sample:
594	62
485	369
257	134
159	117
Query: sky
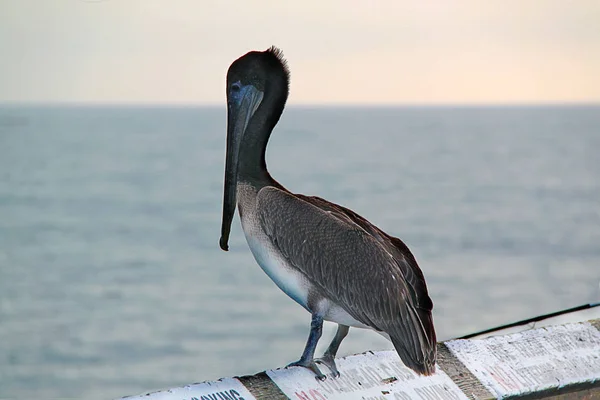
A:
339	51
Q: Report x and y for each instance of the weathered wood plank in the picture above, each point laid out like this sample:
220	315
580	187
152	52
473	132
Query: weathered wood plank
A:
547	359
370	375
576	394
262	387
557	362
461	375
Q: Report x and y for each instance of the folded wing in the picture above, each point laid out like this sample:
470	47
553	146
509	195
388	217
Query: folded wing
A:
370	274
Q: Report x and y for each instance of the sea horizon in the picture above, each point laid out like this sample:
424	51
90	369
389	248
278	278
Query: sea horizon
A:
112	281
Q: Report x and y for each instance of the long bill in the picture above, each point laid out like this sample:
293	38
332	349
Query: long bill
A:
242	105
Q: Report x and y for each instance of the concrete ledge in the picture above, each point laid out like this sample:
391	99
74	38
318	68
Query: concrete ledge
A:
554	362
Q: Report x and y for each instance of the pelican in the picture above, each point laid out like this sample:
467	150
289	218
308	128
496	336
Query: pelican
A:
330	260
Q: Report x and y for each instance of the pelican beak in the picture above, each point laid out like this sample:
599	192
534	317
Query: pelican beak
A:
241	106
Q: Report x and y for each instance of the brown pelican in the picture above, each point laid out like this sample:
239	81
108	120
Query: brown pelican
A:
330	260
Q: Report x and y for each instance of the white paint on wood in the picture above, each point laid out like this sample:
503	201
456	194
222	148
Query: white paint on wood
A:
369	376
534	360
223	389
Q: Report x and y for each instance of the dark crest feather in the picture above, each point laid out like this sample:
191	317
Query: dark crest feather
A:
278	55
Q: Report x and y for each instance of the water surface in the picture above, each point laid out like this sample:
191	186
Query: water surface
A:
112	281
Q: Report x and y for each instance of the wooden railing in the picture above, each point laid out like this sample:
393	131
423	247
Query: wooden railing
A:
559	362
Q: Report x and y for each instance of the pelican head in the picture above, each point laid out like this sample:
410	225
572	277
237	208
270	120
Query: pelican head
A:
257	89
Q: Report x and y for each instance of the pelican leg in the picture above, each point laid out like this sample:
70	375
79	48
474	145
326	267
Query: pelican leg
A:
329	356
307	359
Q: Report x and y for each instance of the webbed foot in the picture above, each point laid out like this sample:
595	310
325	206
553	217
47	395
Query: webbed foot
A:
329	361
311	365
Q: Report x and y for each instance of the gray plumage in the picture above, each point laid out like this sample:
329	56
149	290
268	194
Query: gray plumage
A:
368	273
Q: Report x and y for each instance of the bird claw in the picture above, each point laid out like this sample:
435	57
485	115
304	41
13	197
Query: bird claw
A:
311	365
329	362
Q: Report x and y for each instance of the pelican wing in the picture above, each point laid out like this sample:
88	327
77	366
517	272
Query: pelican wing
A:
373	276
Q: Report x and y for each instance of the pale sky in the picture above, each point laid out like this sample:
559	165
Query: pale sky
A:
368	52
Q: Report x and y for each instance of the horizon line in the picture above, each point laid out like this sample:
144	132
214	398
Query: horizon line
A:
182	104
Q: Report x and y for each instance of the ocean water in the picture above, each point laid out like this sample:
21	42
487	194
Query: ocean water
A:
112	281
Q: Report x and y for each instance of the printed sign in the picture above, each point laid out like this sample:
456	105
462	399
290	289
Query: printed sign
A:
531	360
372	376
224	389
